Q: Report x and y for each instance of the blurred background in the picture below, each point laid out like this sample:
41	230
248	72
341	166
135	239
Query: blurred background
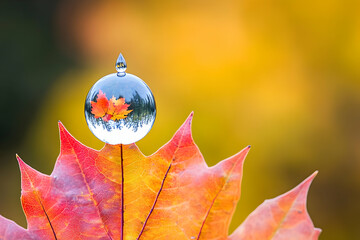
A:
283	76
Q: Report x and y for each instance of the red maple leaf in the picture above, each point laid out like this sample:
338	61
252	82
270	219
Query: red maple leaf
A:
118	193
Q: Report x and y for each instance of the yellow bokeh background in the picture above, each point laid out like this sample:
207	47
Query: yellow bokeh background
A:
282	76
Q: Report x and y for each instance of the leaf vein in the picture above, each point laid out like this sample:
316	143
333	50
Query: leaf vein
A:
89	190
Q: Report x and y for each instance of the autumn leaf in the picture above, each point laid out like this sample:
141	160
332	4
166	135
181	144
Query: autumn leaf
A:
118	108
118	193
100	107
284	217
113	109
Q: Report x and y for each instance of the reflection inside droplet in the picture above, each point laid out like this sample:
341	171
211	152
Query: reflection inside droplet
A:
120	109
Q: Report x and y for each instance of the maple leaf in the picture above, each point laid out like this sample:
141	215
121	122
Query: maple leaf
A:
118	193
114	109
100	107
118	108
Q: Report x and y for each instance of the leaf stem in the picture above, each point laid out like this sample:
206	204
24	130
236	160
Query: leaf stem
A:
122	191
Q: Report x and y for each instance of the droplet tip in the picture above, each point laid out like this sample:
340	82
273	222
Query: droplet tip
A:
120	64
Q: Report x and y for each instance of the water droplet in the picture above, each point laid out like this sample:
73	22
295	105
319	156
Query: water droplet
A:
120	109
120	65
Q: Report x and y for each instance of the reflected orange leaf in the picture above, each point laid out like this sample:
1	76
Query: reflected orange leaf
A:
113	109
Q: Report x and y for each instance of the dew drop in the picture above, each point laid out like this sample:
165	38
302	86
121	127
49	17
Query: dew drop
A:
120	108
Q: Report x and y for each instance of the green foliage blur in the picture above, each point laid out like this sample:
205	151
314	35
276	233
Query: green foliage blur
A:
283	76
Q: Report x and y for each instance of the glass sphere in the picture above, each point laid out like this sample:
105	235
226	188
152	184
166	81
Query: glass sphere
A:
120	108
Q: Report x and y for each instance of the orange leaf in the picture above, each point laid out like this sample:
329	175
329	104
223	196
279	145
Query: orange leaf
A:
118	108
118	193
284	217
100	107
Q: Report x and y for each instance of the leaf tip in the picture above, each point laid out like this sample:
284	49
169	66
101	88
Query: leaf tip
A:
186	127
309	179
64	133
20	161
235	163
240	156
307	182
22	165
190	118
61	126
183	136
317	233
303	188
